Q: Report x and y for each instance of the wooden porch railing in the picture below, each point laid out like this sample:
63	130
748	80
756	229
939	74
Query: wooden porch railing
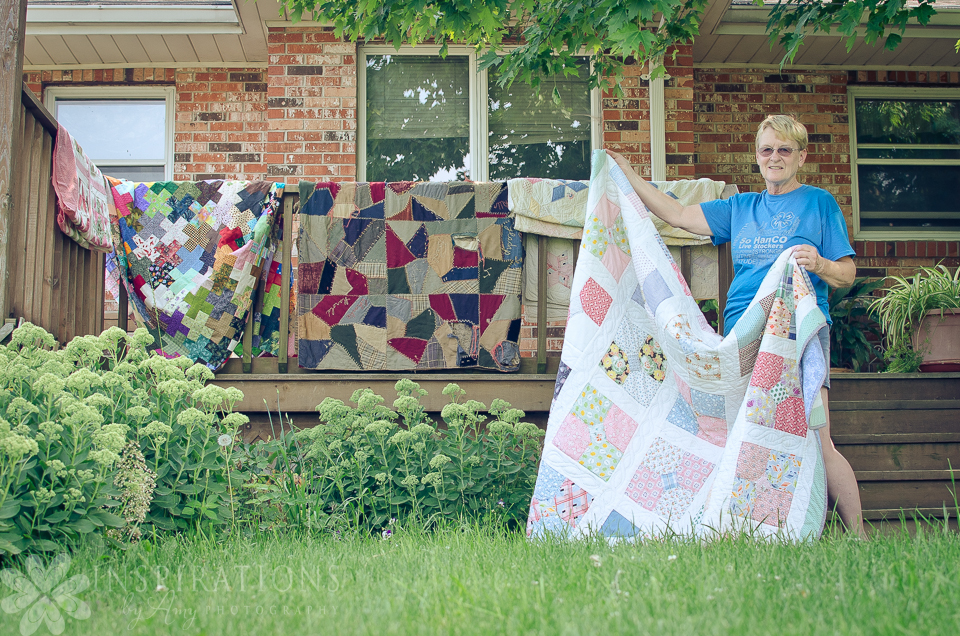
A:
282	362
54	283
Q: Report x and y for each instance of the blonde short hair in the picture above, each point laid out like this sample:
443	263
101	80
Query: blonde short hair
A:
786	127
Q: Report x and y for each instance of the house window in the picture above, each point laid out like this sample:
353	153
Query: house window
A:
127	133
428	118
906	155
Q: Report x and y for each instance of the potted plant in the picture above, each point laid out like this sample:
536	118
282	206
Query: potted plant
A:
854	330
923	311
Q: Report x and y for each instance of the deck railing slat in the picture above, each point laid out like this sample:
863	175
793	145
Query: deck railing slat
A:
18	221
45	227
33	186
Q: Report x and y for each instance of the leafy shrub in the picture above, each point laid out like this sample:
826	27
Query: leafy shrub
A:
853	326
101	440
368	464
68	413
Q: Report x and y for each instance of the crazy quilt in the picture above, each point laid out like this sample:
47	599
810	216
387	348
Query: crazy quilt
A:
658	424
82	197
190	254
408	276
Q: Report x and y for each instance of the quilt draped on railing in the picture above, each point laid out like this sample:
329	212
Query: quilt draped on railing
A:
659	425
82	196
407	276
190	256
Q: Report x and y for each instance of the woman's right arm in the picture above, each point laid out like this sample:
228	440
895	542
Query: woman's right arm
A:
689	218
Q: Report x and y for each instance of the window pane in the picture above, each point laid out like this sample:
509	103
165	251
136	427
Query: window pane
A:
418	118
134	173
908	153
909	121
532	136
116	129
908	196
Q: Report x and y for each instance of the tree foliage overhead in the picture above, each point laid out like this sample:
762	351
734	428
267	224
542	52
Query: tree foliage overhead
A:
551	32
875	20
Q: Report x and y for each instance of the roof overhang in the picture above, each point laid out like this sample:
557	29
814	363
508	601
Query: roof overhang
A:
67	18
734	34
752	20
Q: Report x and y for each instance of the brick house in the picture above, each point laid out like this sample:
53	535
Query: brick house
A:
221	89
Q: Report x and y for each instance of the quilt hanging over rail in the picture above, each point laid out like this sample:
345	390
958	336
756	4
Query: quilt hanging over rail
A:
190	255
408	275
658	424
82	196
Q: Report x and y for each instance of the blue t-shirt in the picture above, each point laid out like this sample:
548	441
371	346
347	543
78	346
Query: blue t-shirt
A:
760	226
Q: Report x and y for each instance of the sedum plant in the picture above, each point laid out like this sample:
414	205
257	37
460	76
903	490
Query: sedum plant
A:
67	414
370	464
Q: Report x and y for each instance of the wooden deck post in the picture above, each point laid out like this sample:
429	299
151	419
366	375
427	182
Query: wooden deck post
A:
13	13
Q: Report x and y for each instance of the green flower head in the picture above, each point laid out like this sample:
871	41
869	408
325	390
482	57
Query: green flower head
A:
438	462
49	384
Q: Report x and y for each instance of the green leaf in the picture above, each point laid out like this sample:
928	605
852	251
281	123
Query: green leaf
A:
9	509
107	518
83	526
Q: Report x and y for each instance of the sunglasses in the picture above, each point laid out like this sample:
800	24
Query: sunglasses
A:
783	151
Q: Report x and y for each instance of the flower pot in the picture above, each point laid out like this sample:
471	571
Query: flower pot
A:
939	338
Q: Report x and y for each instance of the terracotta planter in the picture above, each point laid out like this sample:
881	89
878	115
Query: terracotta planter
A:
939	338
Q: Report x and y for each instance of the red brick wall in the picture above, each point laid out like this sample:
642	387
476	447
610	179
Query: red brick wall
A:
38	80
221	124
312	105
729	105
626	119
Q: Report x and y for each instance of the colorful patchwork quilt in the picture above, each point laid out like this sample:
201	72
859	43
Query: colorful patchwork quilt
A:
82	198
659	425
190	254
266	317
408	276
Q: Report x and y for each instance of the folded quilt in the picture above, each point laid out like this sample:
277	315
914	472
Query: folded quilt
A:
82	197
549	207
560	253
190	254
659	425
407	276
687	192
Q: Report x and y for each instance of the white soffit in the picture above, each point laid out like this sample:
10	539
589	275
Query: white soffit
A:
752	20
136	18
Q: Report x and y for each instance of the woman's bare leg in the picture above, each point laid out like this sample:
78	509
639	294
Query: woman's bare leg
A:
841	482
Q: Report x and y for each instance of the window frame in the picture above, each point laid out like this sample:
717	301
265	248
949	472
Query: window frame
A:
479	116
167	93
855	93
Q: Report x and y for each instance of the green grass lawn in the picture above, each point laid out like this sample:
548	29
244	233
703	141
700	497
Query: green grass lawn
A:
476	581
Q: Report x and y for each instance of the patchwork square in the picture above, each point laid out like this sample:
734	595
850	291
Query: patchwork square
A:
595	301
595	433
558	504
668	479
764	484
655	291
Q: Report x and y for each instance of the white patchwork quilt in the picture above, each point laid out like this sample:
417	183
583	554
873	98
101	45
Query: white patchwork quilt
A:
659	426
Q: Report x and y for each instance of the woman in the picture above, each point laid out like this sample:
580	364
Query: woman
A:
760	226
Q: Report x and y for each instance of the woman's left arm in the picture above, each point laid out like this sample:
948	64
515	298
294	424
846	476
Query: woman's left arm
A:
839	273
